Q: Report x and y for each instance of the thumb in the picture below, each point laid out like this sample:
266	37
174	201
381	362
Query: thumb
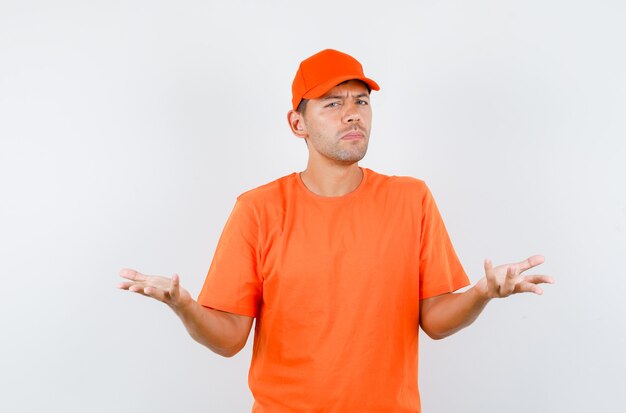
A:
175	287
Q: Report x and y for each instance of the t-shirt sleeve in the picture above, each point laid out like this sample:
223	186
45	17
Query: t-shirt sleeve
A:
440	269
233	283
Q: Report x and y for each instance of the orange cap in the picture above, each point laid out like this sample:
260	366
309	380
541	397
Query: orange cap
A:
322	72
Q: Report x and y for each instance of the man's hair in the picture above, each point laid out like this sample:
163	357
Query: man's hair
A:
302	105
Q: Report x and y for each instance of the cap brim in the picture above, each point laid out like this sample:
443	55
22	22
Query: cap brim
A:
321	89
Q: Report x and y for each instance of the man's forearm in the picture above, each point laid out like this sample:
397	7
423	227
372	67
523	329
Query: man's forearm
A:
446	314
223	333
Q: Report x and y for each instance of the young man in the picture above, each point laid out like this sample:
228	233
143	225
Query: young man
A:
339	265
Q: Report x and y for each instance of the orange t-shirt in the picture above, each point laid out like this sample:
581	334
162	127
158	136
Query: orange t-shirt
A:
334	284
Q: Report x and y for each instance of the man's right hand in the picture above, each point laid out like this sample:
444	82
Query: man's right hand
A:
167	290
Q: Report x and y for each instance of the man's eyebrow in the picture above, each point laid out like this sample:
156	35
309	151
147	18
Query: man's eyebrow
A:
360	95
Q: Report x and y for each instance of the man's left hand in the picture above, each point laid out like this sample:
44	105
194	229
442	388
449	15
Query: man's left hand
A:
507	279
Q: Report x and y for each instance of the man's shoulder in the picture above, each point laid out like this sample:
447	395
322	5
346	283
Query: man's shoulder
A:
269	191
396	182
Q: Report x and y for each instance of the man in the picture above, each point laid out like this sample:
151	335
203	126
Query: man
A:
339	265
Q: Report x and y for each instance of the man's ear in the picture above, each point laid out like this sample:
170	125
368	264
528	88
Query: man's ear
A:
296	124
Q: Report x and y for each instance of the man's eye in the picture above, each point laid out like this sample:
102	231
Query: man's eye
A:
362	102
332	105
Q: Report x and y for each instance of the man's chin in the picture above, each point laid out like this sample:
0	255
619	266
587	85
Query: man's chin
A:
350	159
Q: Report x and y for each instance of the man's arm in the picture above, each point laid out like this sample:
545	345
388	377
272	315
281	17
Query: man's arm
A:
223	333
446	314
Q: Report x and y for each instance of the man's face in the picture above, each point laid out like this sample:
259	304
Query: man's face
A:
338	123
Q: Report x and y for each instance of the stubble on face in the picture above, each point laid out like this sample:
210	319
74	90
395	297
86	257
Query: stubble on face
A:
344	151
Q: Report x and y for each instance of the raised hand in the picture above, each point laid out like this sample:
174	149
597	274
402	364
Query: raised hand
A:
507	279
164	289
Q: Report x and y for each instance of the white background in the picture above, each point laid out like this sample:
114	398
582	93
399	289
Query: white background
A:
127	129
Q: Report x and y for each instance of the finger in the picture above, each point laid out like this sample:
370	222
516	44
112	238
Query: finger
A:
175	287
136	288
530	262
527	287
491	279
509	281
155	293
131	274
539	279
124	285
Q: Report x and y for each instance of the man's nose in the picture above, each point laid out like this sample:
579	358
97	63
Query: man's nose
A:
352	113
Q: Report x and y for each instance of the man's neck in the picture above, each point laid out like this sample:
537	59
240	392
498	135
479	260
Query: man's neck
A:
332	180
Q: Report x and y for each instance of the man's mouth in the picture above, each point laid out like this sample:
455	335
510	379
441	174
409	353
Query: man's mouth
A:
351	136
